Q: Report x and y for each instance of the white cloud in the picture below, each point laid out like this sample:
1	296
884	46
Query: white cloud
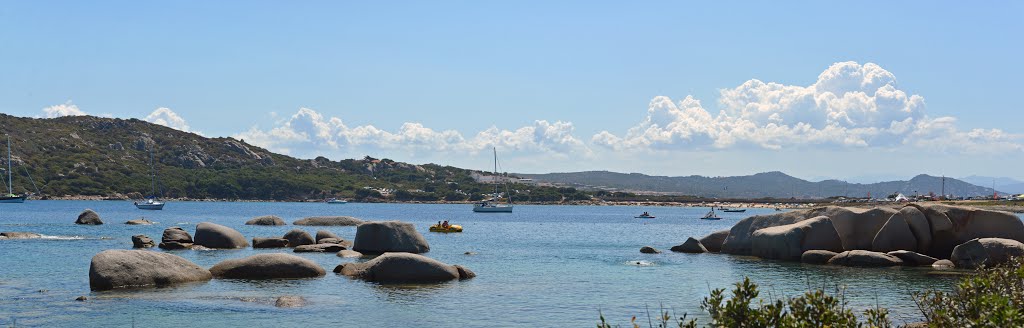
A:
65	109
167	117
308	133
850	105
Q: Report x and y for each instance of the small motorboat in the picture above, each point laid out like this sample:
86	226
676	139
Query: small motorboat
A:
711	215
449	228
734	210
644	215
337	201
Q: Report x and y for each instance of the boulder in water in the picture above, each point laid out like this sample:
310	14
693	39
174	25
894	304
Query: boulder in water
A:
142	241
649	250
19	235
175	238
272	242
389	236
298	237
349	253
986	252
322	234
689	246
268	220
139	222
404	268
817	256
319	248
328	221
290	302
338	241
267	266
119	268
212	235
862	258
89	217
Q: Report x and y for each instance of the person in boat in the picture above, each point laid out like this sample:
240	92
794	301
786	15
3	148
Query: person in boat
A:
445	224
438	223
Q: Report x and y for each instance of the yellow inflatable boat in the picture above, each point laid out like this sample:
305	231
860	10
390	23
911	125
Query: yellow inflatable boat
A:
450	228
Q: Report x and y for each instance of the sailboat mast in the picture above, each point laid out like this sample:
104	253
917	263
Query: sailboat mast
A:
10	179
495	149
152	171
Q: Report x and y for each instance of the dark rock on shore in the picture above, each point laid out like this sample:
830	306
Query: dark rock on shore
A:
404	268
689	246
817	256
212	235
175	238
713	242
328	221
389	236
89	217
142	241
267	220
267	266
298	237
319	248
269	242
19	235
118	268
861	258
649	250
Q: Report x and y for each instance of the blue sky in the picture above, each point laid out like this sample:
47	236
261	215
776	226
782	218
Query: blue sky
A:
561	86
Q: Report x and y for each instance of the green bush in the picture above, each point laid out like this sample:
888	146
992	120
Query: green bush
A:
994	297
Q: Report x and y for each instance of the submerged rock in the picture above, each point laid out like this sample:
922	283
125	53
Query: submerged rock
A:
20	235
328	221
649	250
89	217
139	222
290	302
861	258
689	246
119	268
267	266
212	235
142	241
389	236
319	248
404	268
267	220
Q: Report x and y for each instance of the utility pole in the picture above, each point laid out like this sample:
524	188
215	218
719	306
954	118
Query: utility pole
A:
943	196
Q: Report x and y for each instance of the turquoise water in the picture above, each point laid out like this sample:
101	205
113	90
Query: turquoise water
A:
540	266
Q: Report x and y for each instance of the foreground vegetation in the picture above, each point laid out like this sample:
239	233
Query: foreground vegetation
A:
993	297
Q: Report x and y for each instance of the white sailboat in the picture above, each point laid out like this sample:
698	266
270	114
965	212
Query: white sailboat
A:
711	215
10	197
151	203
493	205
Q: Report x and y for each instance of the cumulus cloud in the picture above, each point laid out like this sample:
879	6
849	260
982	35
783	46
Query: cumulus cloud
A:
65	109
309	132
850	105
167	117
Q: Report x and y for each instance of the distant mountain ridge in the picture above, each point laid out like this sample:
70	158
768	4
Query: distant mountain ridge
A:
1009	185
768	184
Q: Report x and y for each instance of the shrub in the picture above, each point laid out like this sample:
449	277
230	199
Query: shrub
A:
994	297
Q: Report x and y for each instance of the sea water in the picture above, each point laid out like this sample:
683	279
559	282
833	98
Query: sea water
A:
540	266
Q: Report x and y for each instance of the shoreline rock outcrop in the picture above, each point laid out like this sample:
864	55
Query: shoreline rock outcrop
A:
789	242
691	245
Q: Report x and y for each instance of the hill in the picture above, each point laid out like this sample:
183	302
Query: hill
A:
1009	185
109	157
761	185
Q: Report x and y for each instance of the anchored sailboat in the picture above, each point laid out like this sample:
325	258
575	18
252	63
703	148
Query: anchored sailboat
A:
10	197
151	203
492	205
